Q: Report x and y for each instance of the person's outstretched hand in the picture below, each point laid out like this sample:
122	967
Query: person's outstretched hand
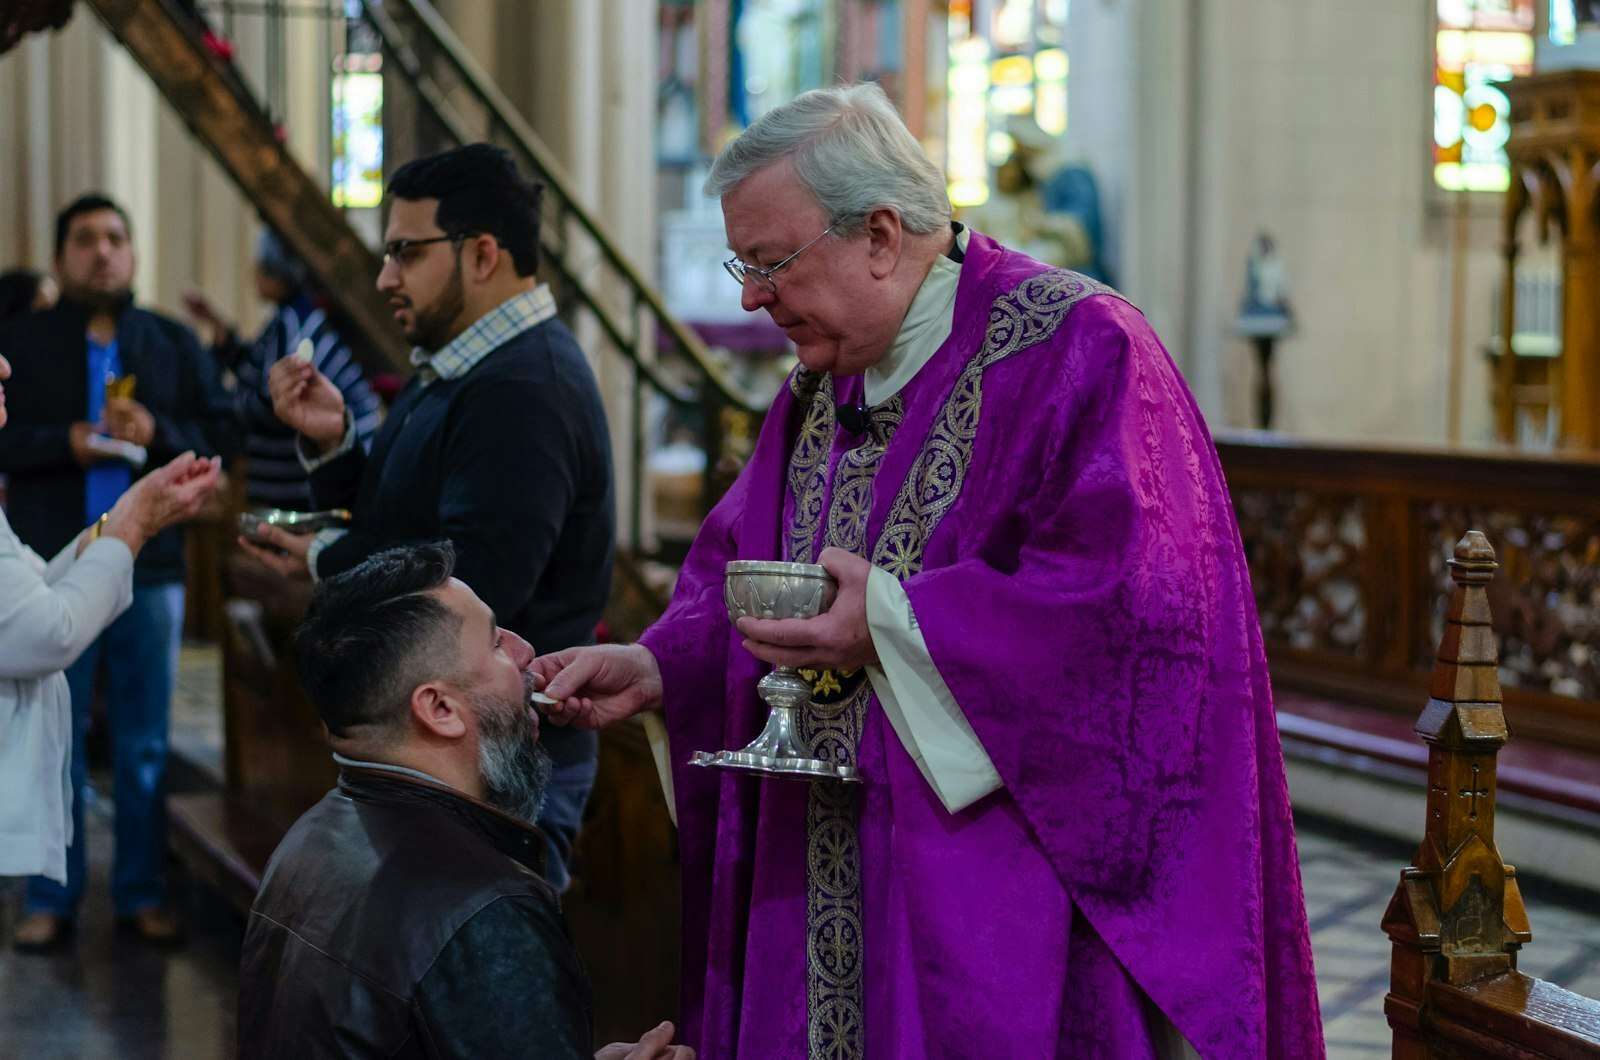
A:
171	494
657	1045
599	685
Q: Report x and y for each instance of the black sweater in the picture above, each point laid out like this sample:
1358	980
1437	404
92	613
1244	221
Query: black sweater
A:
49	390
512	463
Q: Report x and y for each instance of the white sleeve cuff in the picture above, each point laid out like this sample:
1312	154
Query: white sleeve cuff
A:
918	703
311	463
319	541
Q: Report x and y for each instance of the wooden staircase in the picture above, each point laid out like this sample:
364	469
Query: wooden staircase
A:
216	106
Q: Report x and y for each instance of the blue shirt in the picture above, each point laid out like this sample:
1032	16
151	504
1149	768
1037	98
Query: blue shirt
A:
106	480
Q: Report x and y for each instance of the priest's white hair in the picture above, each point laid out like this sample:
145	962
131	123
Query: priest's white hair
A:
850	150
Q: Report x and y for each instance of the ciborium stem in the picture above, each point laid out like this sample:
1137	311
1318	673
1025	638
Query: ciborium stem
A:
778	590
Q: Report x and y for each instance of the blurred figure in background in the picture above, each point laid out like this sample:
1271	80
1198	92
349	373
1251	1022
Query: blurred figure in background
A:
274	476
101	390
24	291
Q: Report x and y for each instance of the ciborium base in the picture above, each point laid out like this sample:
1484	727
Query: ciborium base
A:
775	753
767	766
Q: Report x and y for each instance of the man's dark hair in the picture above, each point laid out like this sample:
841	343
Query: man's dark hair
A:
479	191
93	202
373	634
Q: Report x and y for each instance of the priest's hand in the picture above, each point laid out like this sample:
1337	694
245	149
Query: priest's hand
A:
837	639
657	1045
599	685
280	550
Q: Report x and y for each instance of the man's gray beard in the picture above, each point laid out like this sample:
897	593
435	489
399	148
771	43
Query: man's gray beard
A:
514	768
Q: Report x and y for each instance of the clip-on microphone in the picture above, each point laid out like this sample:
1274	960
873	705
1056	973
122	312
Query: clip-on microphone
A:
852	418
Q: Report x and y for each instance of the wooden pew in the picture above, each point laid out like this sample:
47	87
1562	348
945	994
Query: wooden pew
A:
1456	920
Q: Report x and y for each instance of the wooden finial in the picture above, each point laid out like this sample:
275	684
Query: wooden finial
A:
1474	561
1467	670
1457	914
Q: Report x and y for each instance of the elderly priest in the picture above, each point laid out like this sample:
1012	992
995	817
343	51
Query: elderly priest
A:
1071	835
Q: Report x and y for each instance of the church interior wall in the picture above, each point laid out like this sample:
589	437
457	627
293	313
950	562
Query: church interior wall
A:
1309	121
1322	139
86	118
1207	123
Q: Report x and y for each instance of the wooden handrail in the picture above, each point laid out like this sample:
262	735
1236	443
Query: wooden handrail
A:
1345	541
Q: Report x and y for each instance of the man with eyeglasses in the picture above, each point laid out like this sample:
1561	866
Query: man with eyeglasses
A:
1071	834
498	442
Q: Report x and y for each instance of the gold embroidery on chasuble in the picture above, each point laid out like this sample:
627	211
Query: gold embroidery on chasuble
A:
831	725
808	462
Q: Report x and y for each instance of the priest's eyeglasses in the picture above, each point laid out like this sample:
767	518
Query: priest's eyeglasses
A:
763	278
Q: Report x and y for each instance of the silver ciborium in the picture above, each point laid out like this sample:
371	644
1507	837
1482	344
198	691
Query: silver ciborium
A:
763	589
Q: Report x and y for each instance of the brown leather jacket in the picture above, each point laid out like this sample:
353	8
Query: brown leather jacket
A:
401	918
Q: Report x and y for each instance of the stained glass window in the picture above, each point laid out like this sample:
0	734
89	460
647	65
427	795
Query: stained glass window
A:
1477	45
1007	61
358	132
1563	22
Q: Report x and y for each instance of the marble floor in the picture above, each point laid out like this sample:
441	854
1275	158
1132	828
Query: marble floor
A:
107	997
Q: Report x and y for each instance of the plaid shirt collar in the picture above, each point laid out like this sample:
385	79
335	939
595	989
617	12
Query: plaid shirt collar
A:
488	333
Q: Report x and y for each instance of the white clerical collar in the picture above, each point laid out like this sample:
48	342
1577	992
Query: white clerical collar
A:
928	323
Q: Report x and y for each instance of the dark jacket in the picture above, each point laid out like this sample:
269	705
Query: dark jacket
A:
512	463
400	918
49	391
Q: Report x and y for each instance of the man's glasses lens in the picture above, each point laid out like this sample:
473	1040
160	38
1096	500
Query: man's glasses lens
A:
742	272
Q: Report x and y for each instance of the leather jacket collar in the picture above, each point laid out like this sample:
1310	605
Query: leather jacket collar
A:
514	838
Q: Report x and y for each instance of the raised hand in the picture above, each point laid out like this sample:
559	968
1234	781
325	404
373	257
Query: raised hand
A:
171	494
599	685
308	401
205	312
203	309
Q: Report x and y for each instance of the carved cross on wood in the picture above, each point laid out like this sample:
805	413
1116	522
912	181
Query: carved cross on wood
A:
1476	791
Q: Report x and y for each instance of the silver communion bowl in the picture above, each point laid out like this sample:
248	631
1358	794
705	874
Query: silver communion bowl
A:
775	590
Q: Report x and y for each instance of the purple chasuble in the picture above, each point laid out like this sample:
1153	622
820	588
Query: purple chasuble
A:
1047	494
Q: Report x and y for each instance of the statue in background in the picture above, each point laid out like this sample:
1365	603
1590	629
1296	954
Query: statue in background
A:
1047	203
1265	315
